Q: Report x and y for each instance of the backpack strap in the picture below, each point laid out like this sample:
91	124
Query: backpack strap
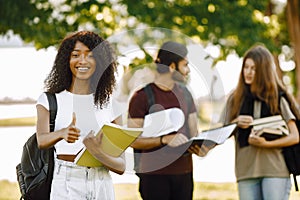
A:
295	182
52	109
150	97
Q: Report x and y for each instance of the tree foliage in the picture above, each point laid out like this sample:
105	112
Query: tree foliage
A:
45	23
232	25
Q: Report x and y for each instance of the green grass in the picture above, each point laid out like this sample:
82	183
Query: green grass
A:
9	190
24	121
202	191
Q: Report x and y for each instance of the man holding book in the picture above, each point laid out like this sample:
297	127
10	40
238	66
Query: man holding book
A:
165	171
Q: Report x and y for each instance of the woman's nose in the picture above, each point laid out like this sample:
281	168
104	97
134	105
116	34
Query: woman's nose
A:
83	59
248	70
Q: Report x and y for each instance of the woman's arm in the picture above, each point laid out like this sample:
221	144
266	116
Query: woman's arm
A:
193	124
291	139
46	139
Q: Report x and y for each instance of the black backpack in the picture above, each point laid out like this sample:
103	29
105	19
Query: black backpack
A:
292	153
35	172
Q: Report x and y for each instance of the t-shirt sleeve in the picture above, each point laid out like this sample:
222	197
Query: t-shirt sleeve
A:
42	100
138	105
224	117
286	112
192	106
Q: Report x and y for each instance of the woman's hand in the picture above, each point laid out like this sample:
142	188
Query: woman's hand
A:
71	133
244	121
92	142
93	145
256	140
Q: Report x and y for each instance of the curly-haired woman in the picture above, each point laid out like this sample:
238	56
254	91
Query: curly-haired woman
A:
82	78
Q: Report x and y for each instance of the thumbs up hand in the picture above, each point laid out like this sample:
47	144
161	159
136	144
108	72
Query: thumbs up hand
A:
73	119
71	133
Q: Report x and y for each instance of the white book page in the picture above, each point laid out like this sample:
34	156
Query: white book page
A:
270	125
218	135
265	120
163	122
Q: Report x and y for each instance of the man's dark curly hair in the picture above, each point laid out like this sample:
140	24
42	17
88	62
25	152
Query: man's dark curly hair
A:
103	79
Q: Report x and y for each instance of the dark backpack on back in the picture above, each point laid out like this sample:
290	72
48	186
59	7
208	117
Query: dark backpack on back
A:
35	172
292	153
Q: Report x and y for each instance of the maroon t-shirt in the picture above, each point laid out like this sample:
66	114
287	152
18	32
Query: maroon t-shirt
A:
164	160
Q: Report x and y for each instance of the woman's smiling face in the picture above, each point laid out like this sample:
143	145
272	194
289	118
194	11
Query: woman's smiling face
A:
82	62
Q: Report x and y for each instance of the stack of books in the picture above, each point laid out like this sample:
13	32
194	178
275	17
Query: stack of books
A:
271	128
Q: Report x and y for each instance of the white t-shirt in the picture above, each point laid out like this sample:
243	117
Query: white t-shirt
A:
88	117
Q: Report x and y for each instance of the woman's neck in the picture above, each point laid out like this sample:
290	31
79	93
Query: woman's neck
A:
80	87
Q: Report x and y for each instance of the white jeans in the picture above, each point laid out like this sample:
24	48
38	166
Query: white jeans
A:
72	182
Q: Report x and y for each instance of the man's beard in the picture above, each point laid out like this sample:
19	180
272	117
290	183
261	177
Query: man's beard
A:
177	76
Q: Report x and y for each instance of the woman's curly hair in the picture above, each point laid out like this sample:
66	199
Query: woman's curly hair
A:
102	81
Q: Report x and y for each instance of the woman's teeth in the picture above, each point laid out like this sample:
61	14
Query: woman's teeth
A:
82	69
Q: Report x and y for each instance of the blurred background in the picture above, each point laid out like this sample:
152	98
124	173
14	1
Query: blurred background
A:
217	34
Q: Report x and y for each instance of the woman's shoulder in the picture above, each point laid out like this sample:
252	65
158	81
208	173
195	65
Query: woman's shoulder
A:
42	100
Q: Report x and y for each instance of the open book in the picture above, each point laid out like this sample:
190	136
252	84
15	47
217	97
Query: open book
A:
163	122
213	136
271	128
116	139
210	138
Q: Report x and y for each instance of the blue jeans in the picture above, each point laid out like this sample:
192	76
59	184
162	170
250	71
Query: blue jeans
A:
264	189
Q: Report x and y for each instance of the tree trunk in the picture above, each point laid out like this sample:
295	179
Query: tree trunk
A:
293	19
278	70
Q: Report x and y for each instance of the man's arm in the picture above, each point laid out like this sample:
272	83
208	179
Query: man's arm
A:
172	140
143	143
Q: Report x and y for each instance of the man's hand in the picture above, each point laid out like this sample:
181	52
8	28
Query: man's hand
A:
174	140
199	151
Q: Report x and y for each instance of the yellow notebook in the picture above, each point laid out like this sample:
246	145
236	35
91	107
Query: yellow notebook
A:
116	139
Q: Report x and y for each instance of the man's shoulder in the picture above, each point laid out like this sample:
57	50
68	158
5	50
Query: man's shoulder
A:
184	89
140	92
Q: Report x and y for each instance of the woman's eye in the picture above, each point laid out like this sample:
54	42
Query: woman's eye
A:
74	55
